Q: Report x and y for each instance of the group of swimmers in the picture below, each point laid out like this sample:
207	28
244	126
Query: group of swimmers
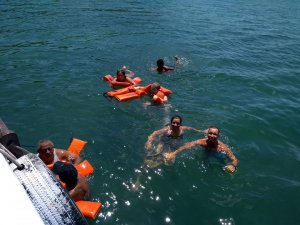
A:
169	135
124	77
175	130
64	161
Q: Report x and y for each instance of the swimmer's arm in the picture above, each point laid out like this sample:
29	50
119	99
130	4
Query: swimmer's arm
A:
177	59
127	71
231	156
152	136
78	193
186	146
165	100
130	80
194	129
69	157
170	157
234	161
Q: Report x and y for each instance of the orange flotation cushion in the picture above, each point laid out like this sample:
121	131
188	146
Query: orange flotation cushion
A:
89	209
165	91
127	96
161	95
108	78
132	92
117	92
85	168
76	146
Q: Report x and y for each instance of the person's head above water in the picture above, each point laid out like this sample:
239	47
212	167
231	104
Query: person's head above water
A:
213	134
155	87
67	173
121	75
160	63
45	148
176	121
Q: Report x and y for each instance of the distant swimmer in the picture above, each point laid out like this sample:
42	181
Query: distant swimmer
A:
157	95
212	145
76	184
161	67
169	139
48	154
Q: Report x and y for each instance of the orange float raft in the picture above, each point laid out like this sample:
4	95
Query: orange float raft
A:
116	84
131	92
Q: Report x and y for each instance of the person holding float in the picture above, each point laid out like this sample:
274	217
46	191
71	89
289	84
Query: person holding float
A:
70	173
50	155
124	78
158	93
75	184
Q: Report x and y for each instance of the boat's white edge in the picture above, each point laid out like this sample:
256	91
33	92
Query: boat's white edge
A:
15	206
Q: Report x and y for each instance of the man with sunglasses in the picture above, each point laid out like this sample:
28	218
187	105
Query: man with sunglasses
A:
49	155
212	145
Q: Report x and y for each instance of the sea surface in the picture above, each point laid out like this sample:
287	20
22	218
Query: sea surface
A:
239	70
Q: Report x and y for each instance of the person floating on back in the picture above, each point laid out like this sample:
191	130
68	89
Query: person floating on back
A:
161	67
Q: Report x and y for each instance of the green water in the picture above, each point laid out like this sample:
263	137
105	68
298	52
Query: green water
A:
240	71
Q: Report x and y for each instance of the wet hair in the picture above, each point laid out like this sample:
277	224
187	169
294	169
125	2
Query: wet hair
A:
214	127
122	71
42	142
155	85
176	116
160	63
67	173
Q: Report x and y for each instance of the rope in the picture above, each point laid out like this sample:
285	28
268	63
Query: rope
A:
7	154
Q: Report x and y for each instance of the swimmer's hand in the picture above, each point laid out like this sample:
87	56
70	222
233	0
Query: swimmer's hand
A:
230	168
177	59
148	145
202	131
169	158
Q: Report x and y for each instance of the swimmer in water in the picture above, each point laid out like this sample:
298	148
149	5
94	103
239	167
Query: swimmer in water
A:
169	138
76	184
210	144
161	67
48	154
122	77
